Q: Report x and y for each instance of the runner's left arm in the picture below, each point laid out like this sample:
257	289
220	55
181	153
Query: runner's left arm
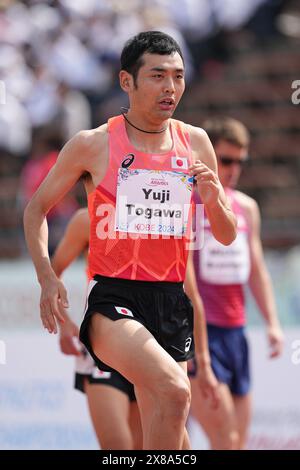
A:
73	243
204	169
205	376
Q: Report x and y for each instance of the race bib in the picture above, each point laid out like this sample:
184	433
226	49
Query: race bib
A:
153	202
221	264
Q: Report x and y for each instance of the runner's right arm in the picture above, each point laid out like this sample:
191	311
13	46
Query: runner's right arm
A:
73	243
76	158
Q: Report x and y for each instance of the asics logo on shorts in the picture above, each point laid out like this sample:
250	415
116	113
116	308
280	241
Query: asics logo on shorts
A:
124	311
188	343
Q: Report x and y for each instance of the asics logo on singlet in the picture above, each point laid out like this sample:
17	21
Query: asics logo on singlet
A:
188	343
127	160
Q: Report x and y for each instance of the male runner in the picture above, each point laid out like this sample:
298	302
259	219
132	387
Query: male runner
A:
222	273
111	400
139	168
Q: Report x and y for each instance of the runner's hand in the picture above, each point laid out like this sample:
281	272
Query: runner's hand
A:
208	384
68	334
276	340
208	183
52	303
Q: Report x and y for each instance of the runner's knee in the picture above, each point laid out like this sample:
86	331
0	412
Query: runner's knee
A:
177	394
112	440
228	441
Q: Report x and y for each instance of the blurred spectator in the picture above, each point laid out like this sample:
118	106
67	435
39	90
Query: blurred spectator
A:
75	110
15	127
47	145
59	61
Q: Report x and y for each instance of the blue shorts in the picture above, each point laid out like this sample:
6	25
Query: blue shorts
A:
229	353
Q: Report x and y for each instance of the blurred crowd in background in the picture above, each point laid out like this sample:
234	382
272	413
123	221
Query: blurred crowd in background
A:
59	63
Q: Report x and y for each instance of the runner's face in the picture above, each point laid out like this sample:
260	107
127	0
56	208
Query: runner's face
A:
230	160
159	86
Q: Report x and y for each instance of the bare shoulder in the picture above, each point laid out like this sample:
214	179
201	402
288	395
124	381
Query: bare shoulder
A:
92	140
197	135
249	205
201	146
85	152
84	143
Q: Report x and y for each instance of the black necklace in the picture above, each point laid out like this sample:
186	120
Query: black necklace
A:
142	130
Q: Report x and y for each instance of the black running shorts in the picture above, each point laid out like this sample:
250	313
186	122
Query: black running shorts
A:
111	379
162	307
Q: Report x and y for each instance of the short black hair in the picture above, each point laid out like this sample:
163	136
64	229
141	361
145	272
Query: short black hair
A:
228	129
153	42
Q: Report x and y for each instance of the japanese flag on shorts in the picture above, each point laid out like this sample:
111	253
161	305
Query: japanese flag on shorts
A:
124	311
180	162
100	374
